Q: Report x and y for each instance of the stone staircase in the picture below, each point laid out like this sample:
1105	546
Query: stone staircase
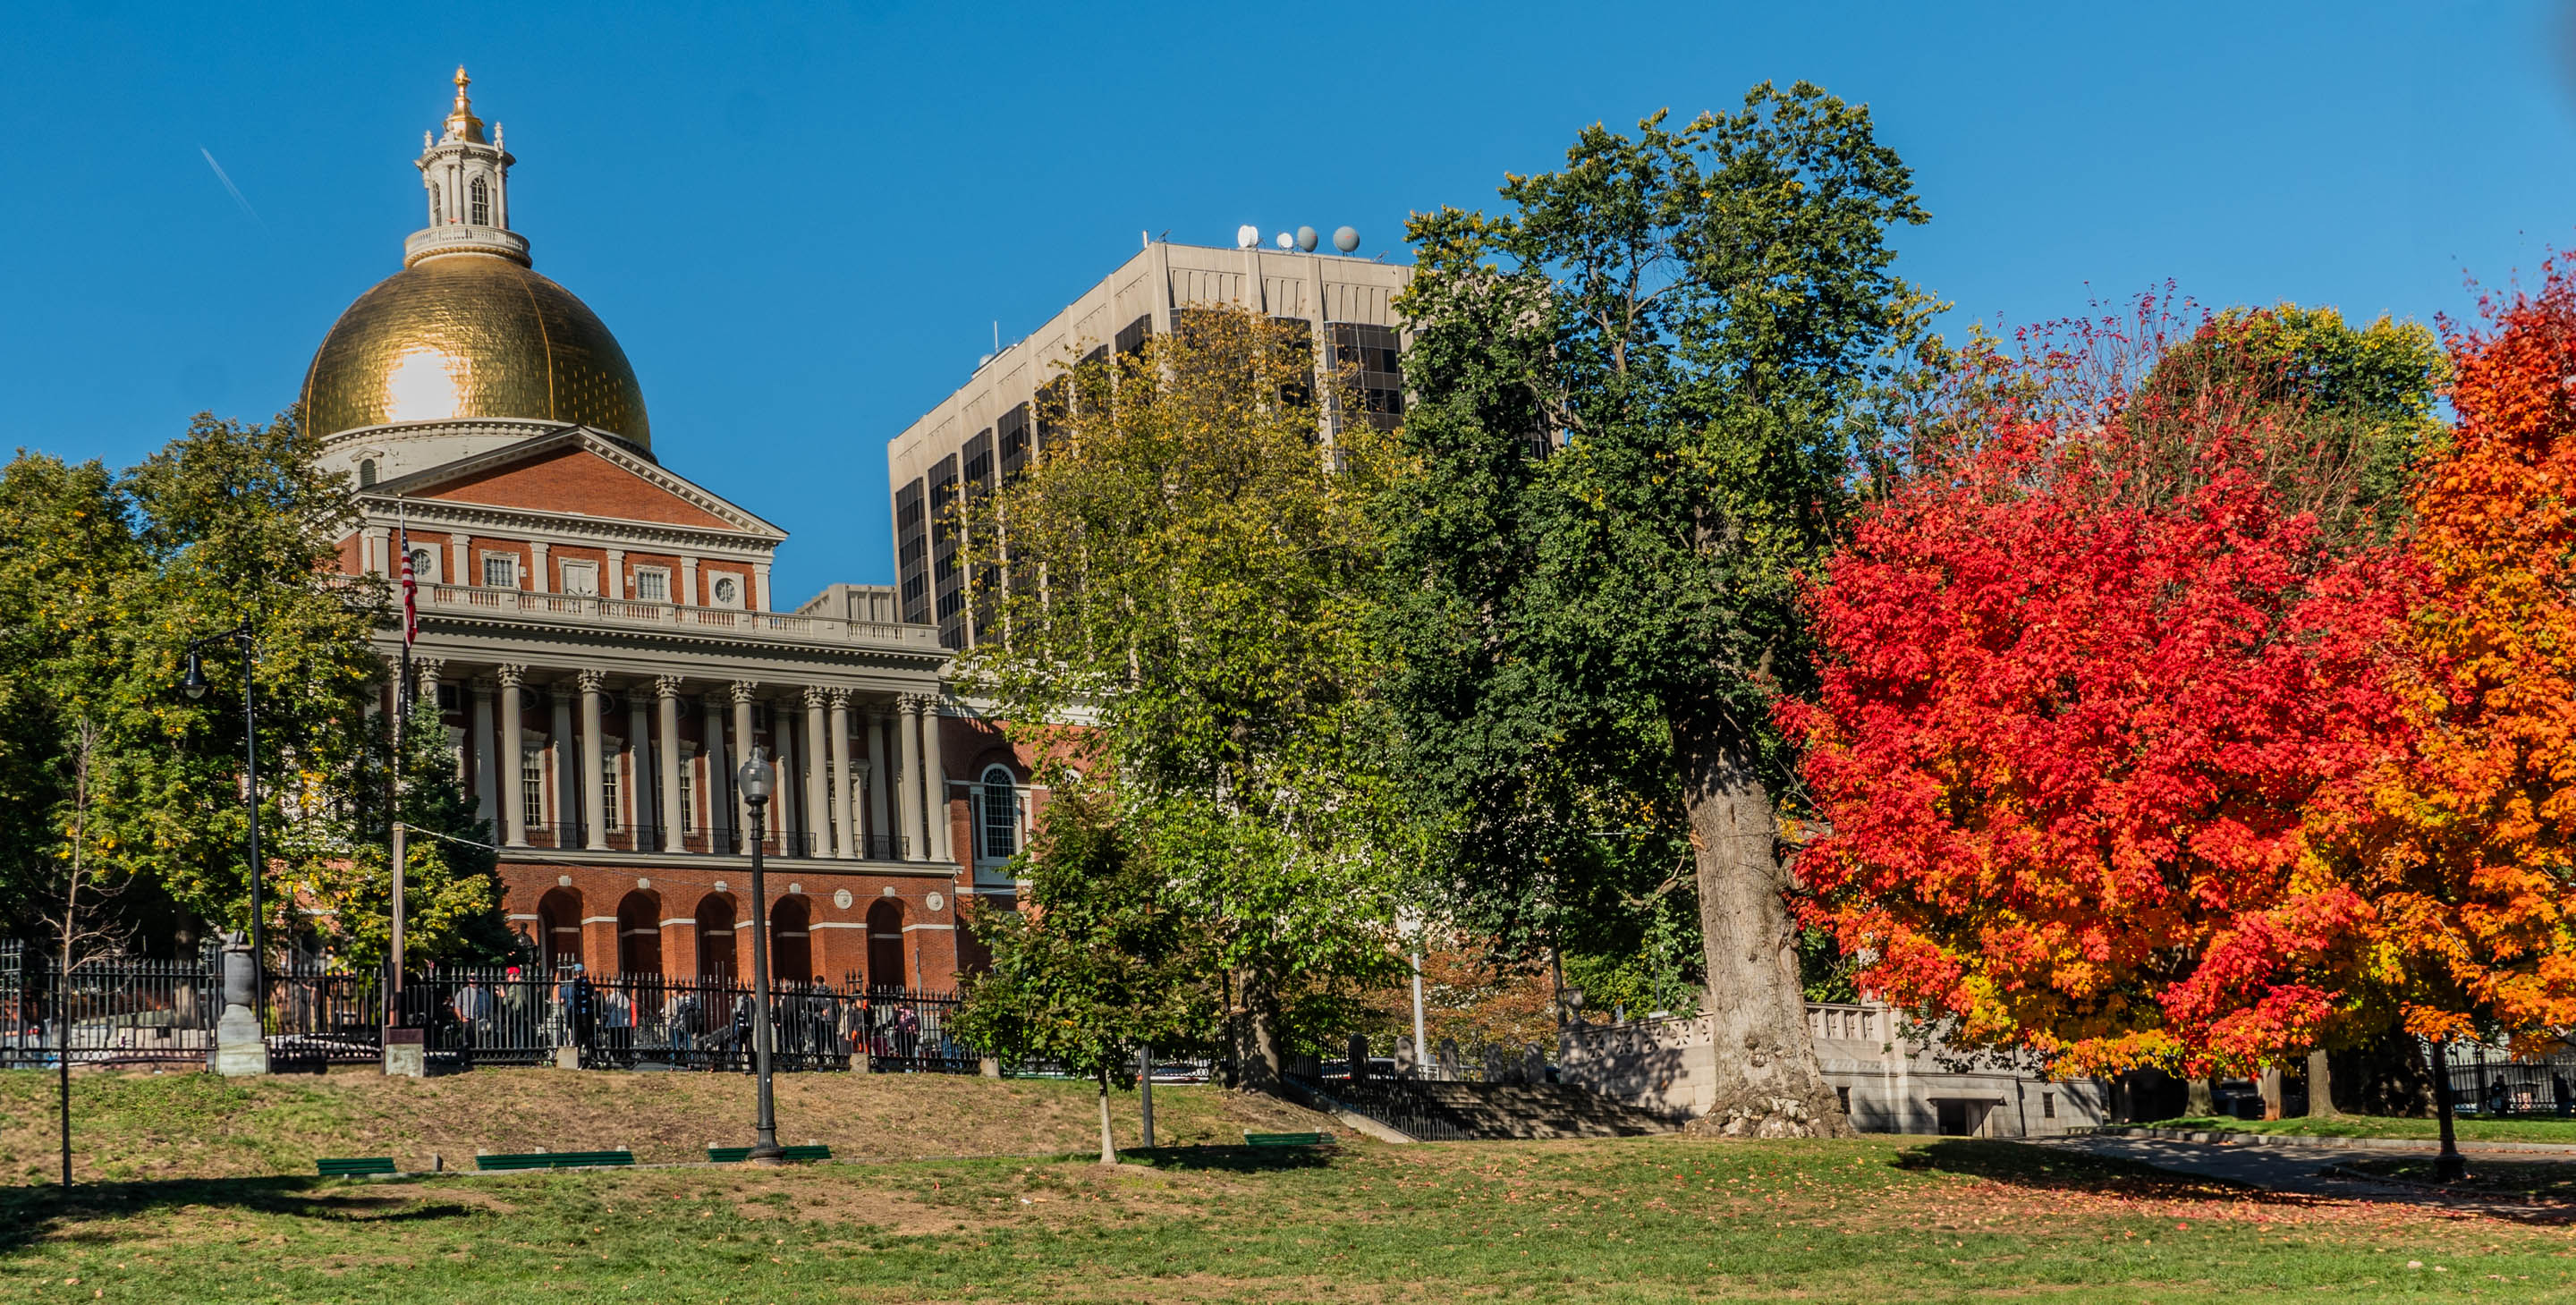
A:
1463	1111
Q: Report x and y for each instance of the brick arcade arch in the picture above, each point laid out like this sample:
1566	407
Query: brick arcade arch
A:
639	933
715	937
791	945
885	944
559	928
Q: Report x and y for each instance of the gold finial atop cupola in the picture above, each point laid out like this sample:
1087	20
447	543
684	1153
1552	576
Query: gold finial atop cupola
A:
461	122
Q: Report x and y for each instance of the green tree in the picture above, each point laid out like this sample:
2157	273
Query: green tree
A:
1107	959
451	878
1174	593
1638	398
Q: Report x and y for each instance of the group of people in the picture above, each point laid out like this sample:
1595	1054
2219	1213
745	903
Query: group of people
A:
708	1024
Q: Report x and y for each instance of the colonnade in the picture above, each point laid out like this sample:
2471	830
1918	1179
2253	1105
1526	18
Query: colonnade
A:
861	777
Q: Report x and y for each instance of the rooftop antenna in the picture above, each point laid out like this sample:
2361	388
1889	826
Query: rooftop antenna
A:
997	335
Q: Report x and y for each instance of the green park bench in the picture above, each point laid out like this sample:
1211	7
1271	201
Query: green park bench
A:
553	1160
349	1166
1287	1139
734	1155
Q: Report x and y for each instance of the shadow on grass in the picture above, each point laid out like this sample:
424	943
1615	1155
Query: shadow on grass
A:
1230	1159
2049	1169
33	1214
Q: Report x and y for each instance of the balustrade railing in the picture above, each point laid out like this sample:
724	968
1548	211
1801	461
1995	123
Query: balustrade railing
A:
631	612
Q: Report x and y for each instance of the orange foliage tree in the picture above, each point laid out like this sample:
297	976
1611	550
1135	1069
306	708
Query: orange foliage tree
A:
2472	851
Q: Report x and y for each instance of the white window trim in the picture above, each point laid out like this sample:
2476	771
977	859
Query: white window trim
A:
573	566
424	564
517	579
662	573
741	595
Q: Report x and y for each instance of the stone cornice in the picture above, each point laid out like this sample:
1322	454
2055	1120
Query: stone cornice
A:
441	514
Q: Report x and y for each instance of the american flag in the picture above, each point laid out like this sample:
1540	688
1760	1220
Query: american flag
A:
410	590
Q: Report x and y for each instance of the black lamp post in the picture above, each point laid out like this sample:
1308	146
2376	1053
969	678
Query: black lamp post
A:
757	777
194	685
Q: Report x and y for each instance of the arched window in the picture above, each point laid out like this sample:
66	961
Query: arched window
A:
434	217
480	200
1000	824
366	473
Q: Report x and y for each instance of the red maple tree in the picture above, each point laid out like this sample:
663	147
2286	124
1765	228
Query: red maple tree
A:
2095	684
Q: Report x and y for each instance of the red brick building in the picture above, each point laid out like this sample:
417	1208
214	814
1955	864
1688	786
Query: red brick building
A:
601	639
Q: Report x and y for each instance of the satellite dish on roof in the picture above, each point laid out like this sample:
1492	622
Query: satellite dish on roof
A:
1306	239
1346	239
1287	241
1246	236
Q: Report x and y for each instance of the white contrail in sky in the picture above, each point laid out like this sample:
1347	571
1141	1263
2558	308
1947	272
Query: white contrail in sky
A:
252	213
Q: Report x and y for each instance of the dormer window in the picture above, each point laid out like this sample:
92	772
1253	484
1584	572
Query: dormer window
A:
366	473
480	201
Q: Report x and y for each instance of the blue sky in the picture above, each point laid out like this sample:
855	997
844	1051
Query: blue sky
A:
803	222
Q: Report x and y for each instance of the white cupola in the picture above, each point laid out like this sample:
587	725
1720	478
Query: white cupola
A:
467	179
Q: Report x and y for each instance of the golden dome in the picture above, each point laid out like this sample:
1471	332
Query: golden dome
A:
461	336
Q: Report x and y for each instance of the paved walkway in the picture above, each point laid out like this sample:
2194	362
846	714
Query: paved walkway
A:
2287	1166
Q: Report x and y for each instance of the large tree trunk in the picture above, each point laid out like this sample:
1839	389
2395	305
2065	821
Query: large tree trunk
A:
2269	1085
1256	1037
2203	1099
1768	1081
2321	1104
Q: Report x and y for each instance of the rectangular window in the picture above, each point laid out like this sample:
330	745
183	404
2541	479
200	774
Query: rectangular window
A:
1131	337
532	787
688	794
501	570
2048	1105
1372	357
608	786
652	584
581	579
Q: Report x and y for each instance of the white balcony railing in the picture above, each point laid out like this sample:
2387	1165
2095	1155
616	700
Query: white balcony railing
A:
623	613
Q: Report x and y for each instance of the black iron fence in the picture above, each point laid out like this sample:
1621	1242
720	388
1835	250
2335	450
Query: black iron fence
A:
126	1010
2491	1085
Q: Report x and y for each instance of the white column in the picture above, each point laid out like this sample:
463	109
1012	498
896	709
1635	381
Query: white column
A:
787	801
818	800
845	813
540	575
915	834
376	546
719	768
590	761
639	765
935	778
613	584
514	804
760	586
667	689
688	596
566	808
742	691
487	759
461	573
880	774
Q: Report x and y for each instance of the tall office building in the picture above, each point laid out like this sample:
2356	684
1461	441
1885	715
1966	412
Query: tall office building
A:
986	431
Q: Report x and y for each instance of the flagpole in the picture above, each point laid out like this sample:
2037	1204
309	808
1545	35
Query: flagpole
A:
402	709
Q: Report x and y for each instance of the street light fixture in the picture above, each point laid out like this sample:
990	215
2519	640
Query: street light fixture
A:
756	778
246	638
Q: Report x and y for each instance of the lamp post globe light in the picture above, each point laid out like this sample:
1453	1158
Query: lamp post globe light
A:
194	685
757	778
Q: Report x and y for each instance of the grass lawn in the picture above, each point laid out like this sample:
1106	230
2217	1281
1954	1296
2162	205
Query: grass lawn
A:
2467	1130
193	1194
1640	1219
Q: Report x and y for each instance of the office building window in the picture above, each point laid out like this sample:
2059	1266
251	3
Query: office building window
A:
1011	439
912	552
1372	357
1131	337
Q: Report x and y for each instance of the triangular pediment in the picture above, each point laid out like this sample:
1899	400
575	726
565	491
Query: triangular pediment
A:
581	474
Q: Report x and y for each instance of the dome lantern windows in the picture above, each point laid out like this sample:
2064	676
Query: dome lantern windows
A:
479	203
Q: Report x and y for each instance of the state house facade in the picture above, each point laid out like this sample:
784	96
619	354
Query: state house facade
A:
602	643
